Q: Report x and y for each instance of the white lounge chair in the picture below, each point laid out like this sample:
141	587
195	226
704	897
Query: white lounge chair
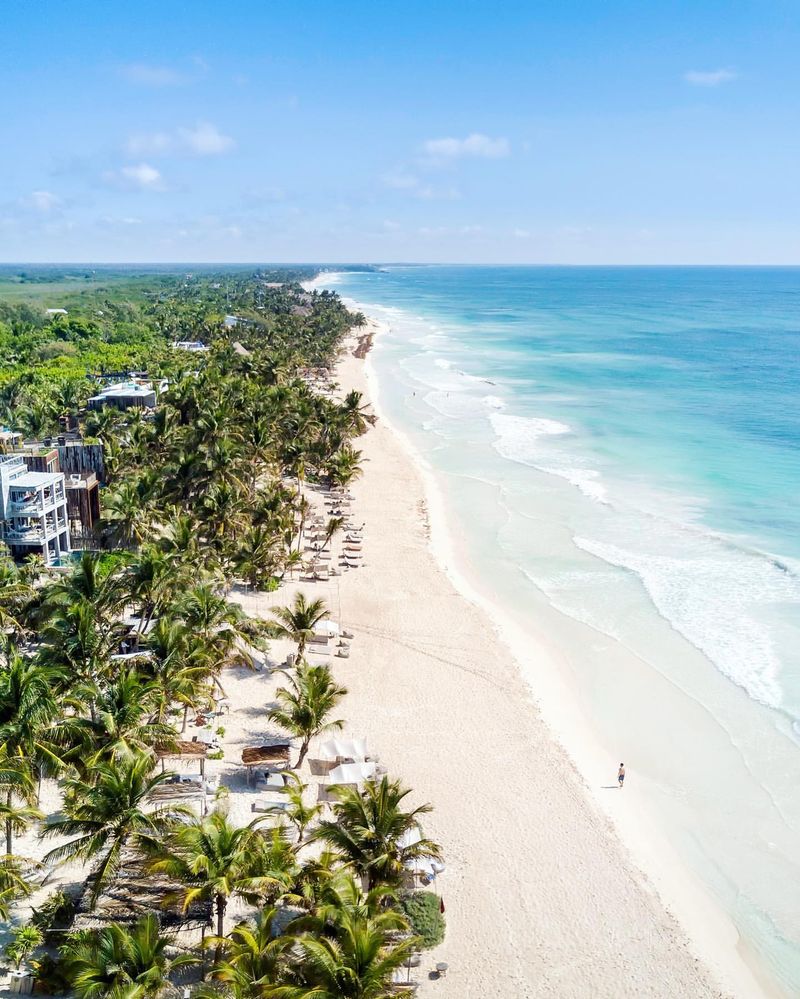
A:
265	806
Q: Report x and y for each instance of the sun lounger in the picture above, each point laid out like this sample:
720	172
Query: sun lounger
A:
263	805
272	781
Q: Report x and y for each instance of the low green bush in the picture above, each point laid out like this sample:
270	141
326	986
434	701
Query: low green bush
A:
56	912
423	911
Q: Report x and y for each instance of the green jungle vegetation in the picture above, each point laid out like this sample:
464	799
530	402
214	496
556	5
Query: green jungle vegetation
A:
203	494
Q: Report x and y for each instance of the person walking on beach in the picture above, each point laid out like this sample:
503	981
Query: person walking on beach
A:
621	775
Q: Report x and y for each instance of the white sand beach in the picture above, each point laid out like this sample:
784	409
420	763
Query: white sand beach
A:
542	898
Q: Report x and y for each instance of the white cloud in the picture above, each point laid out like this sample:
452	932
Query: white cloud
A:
204	139
146	75
475	145
709	78
44	201
149	143
522	234
142	175
399	180
137	176
124	220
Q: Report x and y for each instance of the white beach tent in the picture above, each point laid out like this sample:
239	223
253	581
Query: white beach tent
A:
352	773
338	748
326	629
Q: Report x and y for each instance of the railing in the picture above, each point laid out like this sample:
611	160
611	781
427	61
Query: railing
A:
23	534
29	508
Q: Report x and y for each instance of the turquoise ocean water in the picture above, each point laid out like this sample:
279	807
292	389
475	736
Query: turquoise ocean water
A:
620	447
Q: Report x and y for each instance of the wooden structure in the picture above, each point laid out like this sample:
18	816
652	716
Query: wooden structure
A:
83	502
194	751
265	756
42	459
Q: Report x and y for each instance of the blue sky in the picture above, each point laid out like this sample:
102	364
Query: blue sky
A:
578	132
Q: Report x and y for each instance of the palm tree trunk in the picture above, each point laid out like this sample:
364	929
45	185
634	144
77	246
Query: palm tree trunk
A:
9	826
220	907
303	753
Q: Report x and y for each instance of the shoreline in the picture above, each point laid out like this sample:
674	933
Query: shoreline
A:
710	932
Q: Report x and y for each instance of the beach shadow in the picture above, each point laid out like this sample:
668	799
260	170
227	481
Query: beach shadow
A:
609	787
321	768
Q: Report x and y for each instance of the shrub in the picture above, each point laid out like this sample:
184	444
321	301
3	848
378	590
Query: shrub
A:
24	941
50	975
423	911
56	912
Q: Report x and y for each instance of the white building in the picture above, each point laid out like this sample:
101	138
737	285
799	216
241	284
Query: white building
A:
33	506
133	394
192	345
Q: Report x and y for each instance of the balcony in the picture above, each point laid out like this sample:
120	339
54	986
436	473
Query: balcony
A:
24	535
22	508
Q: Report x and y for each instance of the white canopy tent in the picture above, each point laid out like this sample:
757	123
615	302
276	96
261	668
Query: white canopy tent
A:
352	773
339	748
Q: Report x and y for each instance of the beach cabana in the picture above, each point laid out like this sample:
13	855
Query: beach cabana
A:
195	752
265	756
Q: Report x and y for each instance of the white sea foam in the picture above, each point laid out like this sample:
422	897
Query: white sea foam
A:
586	479
518	436
494	402
521	439
713	597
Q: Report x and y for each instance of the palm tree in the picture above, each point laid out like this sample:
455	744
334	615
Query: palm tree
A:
121	962
15	592
214	860
223	626
304	708
253	958
344	466
95	579
128	510
373	833
108	814
28	710
123	721
257	556
13	885
152	580
350	948
298	621
17	797
179	665
299	813
78	641
355	417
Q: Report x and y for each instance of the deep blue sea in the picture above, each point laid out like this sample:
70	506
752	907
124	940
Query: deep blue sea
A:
623	444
